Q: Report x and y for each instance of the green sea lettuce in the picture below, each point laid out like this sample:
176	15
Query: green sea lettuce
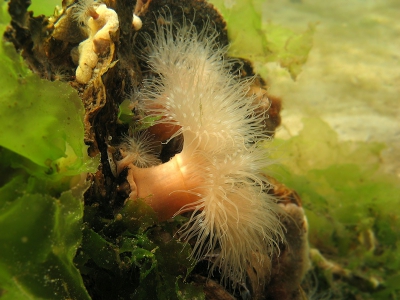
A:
39	126
260	41
350	203
38	240
41	208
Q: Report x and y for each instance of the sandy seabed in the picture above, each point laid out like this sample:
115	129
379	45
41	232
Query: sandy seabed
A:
352	77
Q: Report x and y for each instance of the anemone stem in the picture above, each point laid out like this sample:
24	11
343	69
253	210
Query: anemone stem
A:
166	187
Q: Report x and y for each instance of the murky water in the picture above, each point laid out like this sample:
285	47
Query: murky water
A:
352	76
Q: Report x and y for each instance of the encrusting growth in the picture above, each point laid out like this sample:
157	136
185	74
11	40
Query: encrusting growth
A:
217	175
99	22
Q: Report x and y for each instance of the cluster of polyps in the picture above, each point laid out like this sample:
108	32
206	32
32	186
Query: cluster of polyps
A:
99	22
217	175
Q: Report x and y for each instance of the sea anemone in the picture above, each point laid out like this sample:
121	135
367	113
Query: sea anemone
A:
139	150
85	9
218	174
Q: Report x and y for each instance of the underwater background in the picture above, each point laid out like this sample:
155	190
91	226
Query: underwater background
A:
336	67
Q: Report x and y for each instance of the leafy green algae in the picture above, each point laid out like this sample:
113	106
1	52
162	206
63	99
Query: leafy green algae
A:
41	149
351	205
39	238
43	120
260	41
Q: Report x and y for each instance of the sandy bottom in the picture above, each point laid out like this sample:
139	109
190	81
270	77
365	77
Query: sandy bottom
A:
352	77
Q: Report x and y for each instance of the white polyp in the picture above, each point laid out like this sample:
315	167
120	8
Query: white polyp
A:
136	22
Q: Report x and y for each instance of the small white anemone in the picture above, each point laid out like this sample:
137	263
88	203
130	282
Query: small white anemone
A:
83	10
139	150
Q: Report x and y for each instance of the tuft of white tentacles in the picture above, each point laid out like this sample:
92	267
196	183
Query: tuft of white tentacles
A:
223	155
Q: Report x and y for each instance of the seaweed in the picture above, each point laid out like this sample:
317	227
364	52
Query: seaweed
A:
350	205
